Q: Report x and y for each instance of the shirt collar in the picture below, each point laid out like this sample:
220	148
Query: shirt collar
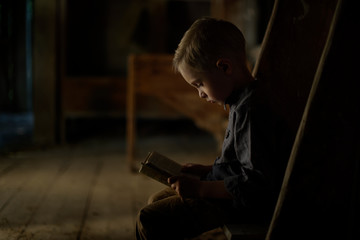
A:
240	94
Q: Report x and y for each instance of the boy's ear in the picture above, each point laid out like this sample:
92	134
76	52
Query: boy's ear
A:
224	65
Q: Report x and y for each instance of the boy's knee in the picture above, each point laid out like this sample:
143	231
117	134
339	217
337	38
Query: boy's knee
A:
153	198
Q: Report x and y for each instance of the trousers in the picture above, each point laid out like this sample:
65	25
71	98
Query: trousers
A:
168	216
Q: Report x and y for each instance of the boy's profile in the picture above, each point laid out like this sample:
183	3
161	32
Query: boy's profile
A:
243	183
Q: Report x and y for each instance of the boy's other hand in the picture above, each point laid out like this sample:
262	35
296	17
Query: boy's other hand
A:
186	186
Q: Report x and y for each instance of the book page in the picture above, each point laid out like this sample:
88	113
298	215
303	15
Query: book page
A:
164	164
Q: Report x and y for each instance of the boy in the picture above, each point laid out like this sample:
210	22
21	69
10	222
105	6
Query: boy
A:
240	186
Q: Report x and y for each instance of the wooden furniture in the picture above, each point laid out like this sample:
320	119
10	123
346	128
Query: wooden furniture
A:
306	72
320	197
152	75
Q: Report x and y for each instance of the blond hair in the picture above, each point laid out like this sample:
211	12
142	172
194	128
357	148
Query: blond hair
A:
206	41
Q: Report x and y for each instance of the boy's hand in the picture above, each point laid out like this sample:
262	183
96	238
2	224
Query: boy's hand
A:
186	186
196	169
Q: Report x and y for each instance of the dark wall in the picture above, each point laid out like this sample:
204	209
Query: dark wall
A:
101	34
15	56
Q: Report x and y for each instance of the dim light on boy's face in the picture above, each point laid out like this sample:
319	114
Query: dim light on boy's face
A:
214	86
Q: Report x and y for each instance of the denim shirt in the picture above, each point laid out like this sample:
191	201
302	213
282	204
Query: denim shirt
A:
242	175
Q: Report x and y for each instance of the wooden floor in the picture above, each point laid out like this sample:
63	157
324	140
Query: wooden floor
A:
84	190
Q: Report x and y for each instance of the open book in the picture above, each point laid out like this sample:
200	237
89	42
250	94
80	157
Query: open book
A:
160	167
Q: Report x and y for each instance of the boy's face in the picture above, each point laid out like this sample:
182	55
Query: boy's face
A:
214	86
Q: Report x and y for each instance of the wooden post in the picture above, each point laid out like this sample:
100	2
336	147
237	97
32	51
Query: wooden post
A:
130	114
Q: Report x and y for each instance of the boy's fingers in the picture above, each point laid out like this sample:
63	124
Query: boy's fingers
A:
188	165
172	179
174	187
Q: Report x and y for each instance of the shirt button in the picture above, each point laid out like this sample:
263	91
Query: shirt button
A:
227	134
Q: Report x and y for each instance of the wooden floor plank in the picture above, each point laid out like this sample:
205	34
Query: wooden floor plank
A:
26	198
61	216
83	191
10	185
7	165
111	205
